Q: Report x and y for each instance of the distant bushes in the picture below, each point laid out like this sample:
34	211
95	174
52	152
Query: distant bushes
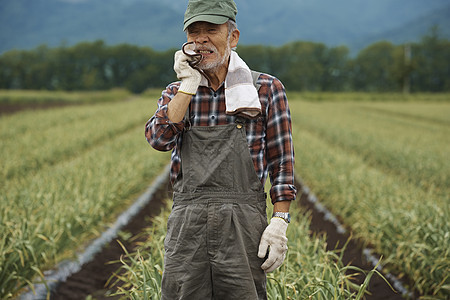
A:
86	66
381	67
302	66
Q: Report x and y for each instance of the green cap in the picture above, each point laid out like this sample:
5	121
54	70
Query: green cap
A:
212	11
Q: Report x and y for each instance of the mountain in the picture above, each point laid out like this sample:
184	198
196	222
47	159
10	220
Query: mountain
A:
28	23
413	30
25	24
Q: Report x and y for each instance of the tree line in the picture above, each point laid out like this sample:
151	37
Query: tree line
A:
302	66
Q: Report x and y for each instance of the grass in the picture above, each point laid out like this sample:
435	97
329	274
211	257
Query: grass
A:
58	97
309	271
383	168
68	172
378	161
362	97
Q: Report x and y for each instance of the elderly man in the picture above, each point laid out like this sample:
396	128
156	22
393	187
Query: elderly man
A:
228	128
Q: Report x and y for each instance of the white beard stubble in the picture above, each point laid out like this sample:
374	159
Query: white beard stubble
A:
214	65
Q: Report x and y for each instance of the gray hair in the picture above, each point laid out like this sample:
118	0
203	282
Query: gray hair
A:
232	26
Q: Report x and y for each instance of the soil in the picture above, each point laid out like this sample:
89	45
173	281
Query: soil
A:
10	108
353	255
93	276
91	279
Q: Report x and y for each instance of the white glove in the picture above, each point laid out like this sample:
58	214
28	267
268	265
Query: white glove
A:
190	78
274	236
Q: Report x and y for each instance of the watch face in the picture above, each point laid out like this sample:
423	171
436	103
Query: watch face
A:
288	217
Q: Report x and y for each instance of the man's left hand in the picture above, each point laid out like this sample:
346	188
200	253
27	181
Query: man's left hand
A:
274	236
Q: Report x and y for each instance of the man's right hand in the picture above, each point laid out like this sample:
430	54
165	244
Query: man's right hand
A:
190	78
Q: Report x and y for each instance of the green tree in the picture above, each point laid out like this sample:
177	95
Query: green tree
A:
305	66
257	57
372	70
431	59
163	61
300	65
10	70
336	70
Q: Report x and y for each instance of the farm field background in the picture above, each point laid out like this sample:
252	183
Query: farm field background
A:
310	271
66	174
378	163
383	168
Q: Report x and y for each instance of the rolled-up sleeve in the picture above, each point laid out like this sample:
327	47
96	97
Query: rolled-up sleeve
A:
160	132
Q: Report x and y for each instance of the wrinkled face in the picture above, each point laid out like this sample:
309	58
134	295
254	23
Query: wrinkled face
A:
213	42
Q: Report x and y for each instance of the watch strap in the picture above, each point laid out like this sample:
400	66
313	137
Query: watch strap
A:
283	215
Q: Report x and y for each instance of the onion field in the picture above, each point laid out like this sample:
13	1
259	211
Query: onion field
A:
384	169
377	161
309	271
66	173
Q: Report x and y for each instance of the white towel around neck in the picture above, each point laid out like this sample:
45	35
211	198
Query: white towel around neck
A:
241	96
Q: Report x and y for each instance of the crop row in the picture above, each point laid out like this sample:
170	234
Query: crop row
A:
380	166
36	140
383	169
309	271
89	163
411	147
58	97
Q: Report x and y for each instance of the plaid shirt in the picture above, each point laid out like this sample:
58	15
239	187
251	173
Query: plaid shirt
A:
269	136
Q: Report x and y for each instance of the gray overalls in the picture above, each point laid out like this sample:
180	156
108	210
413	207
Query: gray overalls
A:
218	217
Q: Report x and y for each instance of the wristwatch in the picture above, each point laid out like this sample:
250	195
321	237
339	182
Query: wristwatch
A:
283	215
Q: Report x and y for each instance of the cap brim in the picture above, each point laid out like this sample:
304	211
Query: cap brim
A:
215	19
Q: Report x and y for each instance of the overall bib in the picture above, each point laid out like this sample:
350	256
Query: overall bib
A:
218	217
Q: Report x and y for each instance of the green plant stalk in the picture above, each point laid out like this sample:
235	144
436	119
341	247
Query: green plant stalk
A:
366	177
309	271
49	212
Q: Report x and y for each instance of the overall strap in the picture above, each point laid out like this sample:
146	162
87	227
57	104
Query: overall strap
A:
255	76
187	119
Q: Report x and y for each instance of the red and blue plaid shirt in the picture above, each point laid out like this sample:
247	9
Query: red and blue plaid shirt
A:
269	136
